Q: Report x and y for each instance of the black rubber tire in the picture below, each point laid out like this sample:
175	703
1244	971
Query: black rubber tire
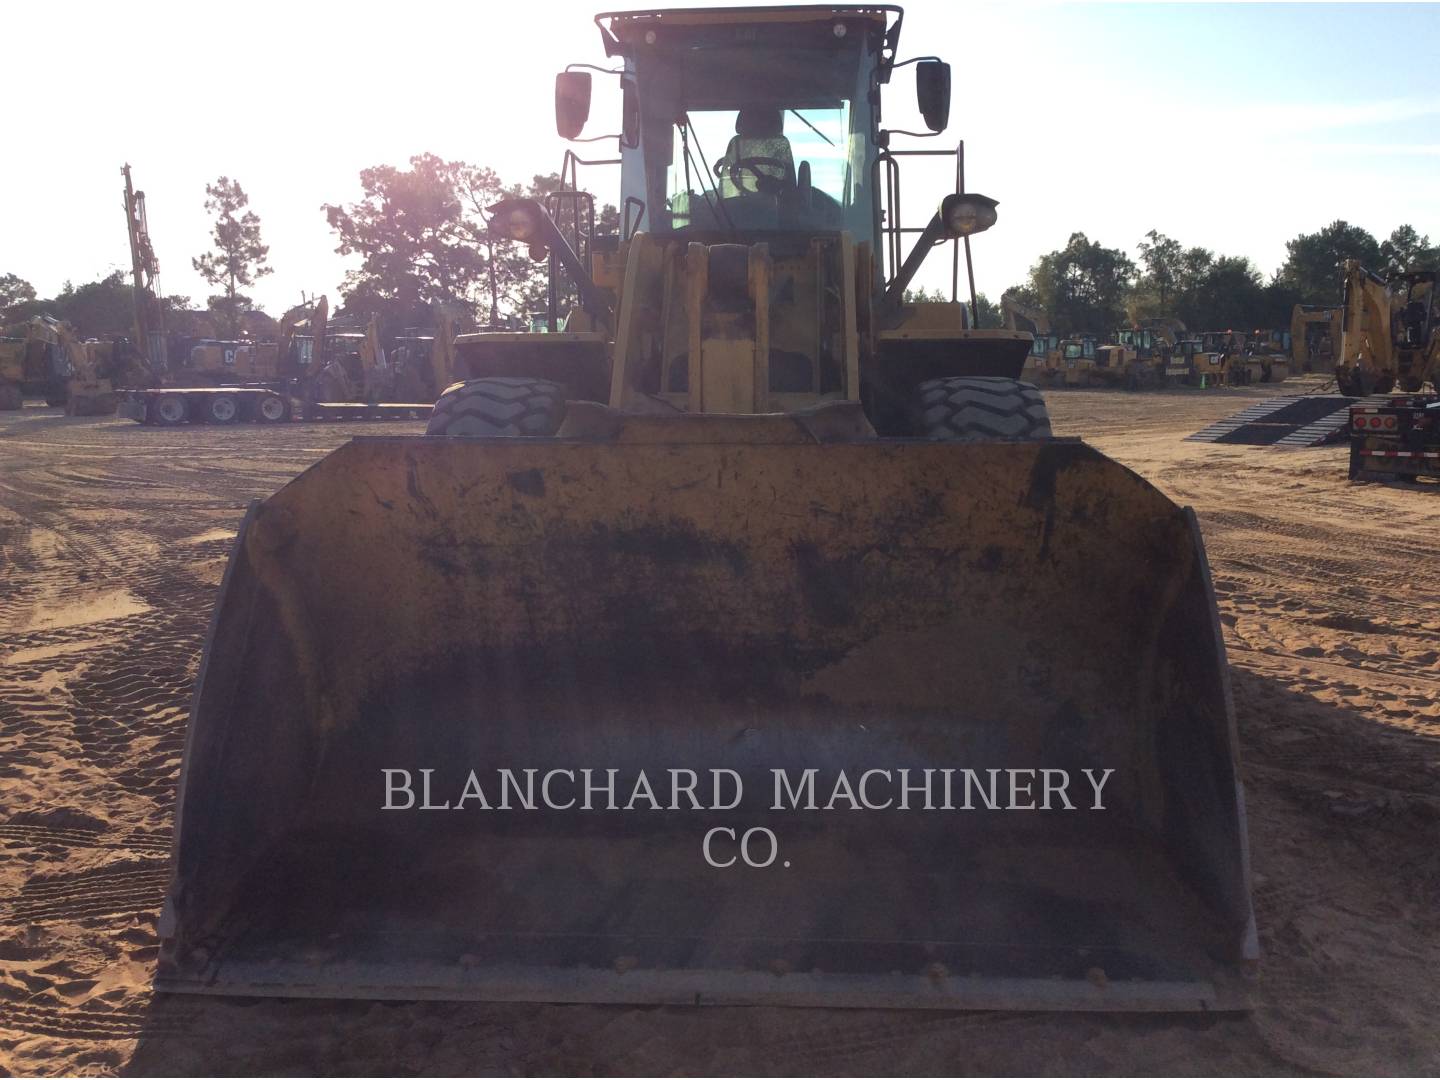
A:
158	410
509	405
272	409
11	398
976	408
221	408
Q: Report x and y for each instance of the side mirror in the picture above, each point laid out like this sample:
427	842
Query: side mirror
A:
630	116
932	93
572	103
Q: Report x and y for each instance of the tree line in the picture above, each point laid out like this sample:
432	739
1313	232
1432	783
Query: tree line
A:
421	237
1085	286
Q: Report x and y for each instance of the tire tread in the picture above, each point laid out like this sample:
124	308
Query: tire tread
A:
975	408
498	406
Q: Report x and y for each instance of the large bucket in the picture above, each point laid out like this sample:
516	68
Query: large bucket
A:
948	634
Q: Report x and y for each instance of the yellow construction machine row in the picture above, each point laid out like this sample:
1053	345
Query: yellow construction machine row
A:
1150	356
44	356
313	369
328	373
749	511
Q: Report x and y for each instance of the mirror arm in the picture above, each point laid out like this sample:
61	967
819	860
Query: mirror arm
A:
917	134
895	291
593	67
595	299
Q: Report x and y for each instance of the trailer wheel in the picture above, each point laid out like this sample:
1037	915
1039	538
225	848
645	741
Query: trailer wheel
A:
498	406
168	410
973	408
222	408
271	409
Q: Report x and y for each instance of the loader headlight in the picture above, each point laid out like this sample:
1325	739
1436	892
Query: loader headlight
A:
965	215
518	219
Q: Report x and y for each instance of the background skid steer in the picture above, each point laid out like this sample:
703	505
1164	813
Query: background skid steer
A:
811	527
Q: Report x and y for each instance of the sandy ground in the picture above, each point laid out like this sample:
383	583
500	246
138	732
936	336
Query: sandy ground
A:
114	538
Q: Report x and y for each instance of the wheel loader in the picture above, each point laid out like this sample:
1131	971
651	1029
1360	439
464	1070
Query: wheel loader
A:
719	647
1267	355
1314	337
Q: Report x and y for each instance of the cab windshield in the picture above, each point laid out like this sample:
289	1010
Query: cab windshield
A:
755	138
796	160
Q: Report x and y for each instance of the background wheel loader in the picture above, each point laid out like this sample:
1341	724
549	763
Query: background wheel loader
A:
1266	355
1315	337
747	512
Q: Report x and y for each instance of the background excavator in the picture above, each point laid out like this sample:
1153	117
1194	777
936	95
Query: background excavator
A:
766	515
1388	332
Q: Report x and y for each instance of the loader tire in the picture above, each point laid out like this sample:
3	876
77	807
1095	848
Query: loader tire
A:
11	399
480	408
974	409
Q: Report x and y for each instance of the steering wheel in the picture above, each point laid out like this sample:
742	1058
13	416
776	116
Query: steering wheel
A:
764	182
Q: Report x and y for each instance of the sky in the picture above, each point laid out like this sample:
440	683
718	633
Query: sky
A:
1231	127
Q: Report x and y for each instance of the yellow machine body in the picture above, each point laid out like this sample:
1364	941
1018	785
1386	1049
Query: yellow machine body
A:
759	545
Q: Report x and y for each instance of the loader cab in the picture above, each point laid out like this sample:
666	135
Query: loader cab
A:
1270	342
740	130
1221	341
1412	306
1142	341
344	347
763	119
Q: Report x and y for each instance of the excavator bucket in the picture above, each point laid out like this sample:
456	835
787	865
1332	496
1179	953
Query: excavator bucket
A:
718	713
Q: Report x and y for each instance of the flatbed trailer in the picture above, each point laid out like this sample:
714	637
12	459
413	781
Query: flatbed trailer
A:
1398	439
250	403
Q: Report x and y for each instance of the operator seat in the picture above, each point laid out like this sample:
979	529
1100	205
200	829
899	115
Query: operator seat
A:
759	133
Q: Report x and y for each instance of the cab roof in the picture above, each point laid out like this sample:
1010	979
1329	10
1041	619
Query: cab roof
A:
627	29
